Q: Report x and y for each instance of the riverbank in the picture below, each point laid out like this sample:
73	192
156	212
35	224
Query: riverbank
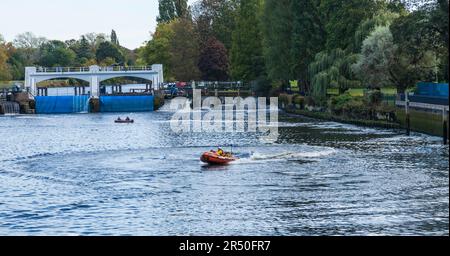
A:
330	117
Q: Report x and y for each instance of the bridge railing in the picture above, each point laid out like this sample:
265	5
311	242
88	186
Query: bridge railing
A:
86	69
122	68
61	69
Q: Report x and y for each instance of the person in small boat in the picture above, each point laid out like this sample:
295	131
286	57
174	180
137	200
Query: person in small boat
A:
127	119
119	119
222	153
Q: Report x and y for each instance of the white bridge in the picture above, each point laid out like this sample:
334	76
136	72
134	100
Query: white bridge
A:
93	75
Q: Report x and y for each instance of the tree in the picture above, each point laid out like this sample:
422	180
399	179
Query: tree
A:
114	39
157	50
172	9
28	40
108	50
213	62
56	54
247	60
28	45
277	42
181	8
184	51
308	37
84	52
342	18
438	29
415	58
215	18
5	74
375	58
16	62
332	69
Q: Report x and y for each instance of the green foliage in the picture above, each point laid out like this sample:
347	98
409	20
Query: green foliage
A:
332	70
4	68
337	103
157	50
172	9
184	51
56	54
175	45
109	51
247	59
308	37
376	55
216	18
375	97
342	18
383	19
277	40
415	59
114	39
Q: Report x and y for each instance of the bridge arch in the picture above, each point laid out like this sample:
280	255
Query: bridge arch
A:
108	77
49	78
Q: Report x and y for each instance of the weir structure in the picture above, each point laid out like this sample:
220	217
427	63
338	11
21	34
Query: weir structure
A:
94	100
93	75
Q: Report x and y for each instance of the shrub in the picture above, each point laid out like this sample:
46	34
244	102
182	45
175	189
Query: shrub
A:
283	98
337	103
309	101
375	97
299	100
356	108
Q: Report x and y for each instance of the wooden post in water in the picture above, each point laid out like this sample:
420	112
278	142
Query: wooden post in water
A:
408	119
445	125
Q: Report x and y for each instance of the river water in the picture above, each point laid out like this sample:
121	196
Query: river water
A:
84	175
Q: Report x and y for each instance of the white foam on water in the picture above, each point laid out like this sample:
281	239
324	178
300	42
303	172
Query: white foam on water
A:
286	156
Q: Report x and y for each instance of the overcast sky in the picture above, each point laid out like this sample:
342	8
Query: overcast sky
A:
133	20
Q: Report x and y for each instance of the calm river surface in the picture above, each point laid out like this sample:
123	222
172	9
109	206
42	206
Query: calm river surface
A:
84	175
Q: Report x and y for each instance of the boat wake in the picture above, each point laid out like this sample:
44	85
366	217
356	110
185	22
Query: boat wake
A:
285	156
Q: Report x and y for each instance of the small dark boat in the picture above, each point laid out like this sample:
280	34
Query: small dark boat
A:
214	158
120	121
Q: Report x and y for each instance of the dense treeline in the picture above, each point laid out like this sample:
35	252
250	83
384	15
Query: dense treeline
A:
30	50
320	44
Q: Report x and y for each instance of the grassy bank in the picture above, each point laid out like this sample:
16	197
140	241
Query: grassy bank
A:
329	117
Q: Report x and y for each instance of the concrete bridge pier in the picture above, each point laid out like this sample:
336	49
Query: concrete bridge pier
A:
94	83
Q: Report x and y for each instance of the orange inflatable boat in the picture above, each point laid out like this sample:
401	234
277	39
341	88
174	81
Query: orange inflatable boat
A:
212	157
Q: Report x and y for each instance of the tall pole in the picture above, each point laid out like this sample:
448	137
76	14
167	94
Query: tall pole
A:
408	120
444	125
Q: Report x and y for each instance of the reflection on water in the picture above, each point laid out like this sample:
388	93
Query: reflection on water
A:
85	175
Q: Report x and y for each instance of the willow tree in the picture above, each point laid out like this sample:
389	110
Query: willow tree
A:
332	69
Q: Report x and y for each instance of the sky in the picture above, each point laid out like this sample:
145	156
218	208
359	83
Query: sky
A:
133	20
